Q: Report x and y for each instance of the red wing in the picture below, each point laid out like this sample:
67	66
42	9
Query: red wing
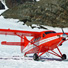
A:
18	32
66	33
62	33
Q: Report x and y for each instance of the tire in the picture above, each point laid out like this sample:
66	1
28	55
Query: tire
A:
63	57
35	57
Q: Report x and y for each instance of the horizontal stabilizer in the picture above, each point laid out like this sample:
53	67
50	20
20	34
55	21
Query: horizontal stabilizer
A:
12	43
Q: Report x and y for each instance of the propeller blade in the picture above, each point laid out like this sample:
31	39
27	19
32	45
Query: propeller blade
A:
64	35
62	30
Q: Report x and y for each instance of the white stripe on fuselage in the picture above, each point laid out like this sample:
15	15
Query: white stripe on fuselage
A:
46	40
29	47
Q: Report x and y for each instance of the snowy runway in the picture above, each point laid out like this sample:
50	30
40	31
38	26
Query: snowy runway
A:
32	64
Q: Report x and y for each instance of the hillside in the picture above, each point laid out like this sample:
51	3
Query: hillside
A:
45	12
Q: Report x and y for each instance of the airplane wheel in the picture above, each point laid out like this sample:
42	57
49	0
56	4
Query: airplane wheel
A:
35	57
63	57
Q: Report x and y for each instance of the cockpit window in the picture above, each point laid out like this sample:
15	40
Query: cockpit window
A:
50	32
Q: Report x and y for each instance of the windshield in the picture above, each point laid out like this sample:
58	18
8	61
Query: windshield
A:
49	32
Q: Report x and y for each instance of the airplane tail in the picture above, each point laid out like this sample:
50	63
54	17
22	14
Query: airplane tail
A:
11	43
24	42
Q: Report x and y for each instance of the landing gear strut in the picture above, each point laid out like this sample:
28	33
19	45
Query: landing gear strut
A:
35	57
63	57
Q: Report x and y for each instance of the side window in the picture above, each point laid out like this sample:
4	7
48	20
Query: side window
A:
49	32
43	35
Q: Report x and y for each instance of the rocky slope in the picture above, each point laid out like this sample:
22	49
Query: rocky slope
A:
13	3
45	12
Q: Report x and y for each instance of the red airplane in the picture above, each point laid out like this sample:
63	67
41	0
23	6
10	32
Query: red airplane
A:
41	42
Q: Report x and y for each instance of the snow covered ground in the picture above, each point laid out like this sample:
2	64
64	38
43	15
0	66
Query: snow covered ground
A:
9	51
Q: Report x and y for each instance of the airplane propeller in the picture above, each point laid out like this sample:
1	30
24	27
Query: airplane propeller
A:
64	35
62	30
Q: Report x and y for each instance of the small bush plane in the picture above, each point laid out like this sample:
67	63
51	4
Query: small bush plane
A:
41	42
